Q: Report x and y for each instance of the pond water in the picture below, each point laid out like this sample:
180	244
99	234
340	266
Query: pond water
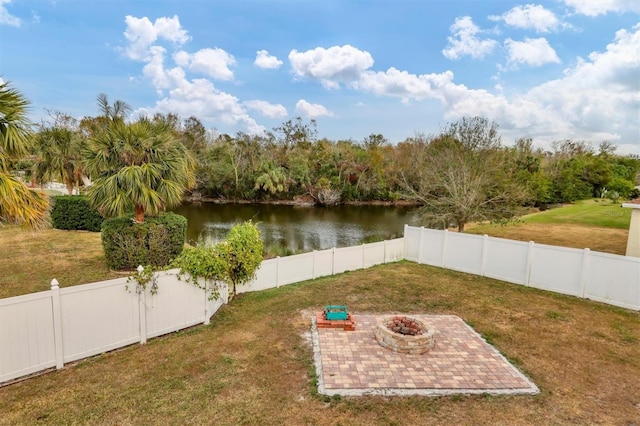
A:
298	228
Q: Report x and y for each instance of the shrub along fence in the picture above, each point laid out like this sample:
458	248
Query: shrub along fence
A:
45	330
154	242
74	212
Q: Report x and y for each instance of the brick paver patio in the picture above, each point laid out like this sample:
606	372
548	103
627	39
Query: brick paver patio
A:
353	363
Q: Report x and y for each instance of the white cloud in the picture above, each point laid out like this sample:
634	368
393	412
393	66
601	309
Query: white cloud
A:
266	61
212	62
325	66
267	109
338	64
154	69
312	110
597	99
464	40
177	92
349	66
200	98
602	7
531	51
142	33
7	18
530	16
402	84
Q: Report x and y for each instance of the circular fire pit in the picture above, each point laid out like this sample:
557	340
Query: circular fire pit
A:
404	334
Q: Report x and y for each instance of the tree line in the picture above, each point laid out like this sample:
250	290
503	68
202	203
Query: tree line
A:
464	173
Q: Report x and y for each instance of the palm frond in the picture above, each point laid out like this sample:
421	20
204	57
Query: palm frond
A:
21	205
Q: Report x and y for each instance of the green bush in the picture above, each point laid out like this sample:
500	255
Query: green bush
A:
73	212
154	242
234	260
622	186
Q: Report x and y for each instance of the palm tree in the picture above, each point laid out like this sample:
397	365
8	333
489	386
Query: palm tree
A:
109	113
138	167
18	204
116	112
59	157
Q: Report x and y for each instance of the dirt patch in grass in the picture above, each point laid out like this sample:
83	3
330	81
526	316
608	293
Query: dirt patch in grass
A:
253	365
30	260
608	240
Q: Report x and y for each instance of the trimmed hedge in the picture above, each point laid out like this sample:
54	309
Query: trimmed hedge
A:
154	242
73	212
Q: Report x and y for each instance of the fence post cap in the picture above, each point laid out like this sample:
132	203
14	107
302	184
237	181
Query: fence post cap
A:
54	284
140	269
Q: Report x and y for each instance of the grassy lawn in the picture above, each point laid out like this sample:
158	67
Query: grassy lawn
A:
31	259
595	224
595	212
253	364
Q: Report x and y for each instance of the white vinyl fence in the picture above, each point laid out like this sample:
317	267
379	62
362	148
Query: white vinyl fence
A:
61	325
48	329
603	277
301	267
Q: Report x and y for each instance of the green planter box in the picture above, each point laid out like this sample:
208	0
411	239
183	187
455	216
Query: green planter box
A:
335	312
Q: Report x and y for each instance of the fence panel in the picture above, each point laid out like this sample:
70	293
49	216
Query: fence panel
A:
412	243
266	277
433	241
395	250
464	252
506	260
347	259
215	304
614	279
374	254
26	335
323	263
98	317
557	269
177	305
293	269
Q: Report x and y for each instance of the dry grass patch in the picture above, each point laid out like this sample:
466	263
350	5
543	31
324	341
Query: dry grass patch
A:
252	365
30	260
608	240
596	224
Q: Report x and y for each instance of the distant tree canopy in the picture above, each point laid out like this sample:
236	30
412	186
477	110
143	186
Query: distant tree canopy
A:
464	173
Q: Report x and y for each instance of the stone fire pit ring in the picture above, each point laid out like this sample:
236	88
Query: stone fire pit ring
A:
404	334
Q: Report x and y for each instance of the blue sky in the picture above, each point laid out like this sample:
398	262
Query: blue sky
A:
549	70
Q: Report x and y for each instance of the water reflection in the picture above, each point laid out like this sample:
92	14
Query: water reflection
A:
298	228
